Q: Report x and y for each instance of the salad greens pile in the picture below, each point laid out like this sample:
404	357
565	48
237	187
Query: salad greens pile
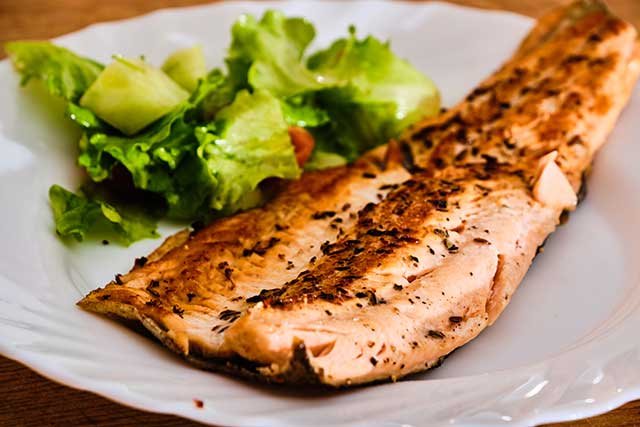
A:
191	144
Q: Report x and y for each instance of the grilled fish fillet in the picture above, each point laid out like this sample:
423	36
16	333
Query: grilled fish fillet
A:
380	269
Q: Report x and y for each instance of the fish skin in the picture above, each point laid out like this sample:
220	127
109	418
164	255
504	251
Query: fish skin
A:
420	267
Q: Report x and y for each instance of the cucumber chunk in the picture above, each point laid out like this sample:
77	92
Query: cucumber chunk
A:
129	94
186	67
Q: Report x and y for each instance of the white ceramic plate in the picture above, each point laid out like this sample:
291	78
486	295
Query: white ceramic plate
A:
566	347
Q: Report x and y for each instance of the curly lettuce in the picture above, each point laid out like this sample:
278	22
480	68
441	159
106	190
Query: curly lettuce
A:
205	153
250	143
196	167
75	215
352	96
64	73
377	95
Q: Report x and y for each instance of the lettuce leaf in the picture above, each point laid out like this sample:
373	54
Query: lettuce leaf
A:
163	158
267	54
352	96
209	153
301	111
250	143
377	95
64	73
75	215
194	167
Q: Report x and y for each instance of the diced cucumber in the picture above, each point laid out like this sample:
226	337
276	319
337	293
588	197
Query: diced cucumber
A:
129	94
186	66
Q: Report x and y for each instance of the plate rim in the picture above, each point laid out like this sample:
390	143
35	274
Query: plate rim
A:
140	401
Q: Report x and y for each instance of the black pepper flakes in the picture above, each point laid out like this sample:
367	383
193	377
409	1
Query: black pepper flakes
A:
388	187
440	232
140	262
375	232
575	140
327	296
477	92
455	319
373	300
151	288
481	241
451	247
508	144
572	59
119	279
439	204
491	163
595	38
461	155
255	298
435	334
177	310
373	361
323	215
230	315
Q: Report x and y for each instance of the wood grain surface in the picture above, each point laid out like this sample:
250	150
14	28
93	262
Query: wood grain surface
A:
27	399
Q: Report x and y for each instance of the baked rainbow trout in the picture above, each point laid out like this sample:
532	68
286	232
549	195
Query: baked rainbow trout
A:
380	269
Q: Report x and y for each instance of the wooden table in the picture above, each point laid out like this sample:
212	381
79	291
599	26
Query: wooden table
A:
26	399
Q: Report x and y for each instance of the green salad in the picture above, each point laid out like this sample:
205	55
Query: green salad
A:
182	142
